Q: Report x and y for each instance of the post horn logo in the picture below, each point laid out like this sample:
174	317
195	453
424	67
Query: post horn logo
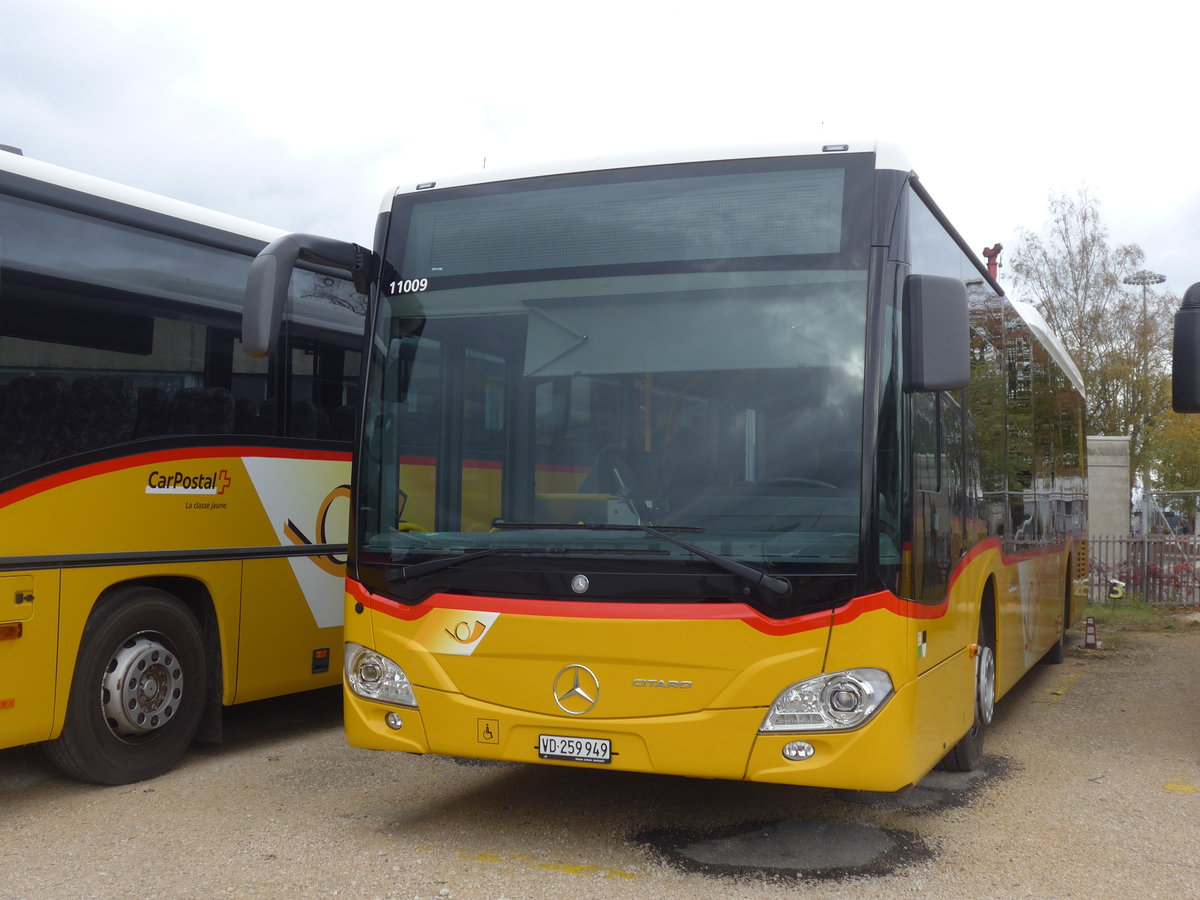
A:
466	633
331	563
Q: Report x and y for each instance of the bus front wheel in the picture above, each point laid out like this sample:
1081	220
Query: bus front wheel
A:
138	692
967	754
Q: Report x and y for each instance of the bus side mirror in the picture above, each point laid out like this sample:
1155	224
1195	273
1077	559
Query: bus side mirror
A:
937	353
271	274
1185	354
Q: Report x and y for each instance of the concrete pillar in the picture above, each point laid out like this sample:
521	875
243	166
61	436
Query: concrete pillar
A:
1108	485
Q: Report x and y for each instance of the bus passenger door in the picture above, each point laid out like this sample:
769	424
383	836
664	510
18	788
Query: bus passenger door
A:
932	526
939	493
28	657
944	704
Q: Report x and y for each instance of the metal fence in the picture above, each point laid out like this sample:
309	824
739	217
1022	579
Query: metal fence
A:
1161	569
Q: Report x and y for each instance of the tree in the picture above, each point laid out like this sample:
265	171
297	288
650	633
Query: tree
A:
1119	334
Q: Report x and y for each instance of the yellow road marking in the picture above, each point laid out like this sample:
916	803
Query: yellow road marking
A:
1183	788
1064	685
551	866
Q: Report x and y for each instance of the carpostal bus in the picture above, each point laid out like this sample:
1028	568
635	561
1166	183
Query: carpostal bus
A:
735	465
172	513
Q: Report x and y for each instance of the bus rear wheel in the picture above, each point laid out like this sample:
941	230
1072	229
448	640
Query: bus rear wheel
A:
138	692
967	754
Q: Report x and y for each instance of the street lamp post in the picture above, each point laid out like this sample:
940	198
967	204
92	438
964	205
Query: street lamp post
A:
1145	278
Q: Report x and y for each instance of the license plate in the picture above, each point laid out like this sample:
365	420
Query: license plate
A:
575	749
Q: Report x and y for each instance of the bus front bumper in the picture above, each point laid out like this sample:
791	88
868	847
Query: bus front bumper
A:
722	743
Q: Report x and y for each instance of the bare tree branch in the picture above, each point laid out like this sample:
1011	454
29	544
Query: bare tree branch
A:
1118	334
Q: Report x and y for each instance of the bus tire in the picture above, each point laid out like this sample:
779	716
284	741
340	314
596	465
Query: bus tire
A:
137	695
967	754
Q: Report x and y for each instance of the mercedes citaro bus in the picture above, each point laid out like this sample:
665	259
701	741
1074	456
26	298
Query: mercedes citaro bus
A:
732	464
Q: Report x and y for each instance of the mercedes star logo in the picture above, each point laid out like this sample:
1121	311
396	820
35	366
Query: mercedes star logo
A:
576	690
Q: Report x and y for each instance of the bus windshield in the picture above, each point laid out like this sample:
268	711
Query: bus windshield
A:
675	350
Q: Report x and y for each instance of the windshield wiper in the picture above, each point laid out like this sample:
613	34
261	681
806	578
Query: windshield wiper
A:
779	586
403	573
501	525
416	570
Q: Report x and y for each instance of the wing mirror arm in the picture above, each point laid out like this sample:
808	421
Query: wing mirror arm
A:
271	274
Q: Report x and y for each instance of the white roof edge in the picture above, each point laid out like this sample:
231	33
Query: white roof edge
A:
888	156
136	197
1037	324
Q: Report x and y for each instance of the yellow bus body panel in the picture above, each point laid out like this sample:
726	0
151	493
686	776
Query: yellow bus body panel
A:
28	648
682	697
275	617
484	671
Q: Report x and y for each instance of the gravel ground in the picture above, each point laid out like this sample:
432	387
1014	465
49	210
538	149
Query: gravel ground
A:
1092	789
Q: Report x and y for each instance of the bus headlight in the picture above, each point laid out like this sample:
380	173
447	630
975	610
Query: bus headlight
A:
833	702
375	677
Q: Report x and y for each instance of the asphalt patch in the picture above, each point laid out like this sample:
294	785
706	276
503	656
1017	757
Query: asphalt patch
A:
795	848
825	848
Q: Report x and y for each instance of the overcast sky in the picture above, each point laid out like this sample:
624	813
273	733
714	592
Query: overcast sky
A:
302	114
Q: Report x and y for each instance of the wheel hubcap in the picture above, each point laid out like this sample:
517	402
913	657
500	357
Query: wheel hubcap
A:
142	687
985	681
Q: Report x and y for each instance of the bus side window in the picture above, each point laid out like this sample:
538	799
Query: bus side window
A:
926	442
202	411
248	380
32	407
322	380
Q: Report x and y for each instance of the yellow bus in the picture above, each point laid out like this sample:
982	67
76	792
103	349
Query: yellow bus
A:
733	465
172	512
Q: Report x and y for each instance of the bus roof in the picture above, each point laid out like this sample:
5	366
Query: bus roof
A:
70	180
888	156
1041	329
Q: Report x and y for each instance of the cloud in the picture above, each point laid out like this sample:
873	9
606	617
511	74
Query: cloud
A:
302	118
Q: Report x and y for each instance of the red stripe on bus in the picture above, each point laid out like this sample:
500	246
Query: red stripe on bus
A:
108	466
867	603
482	464
492	464
699	612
